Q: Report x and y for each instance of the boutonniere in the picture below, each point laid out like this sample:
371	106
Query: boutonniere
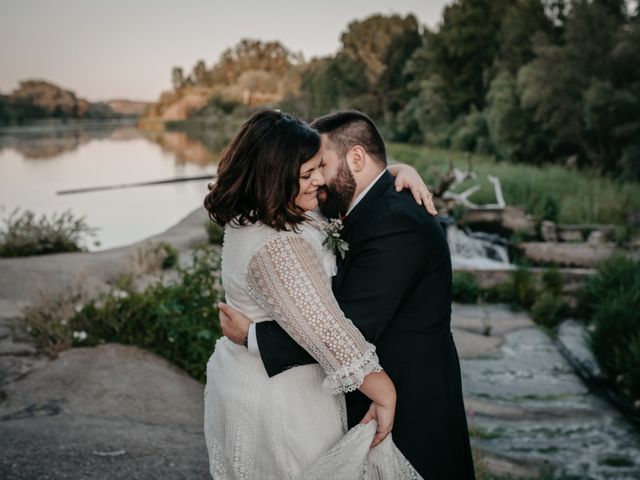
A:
333	241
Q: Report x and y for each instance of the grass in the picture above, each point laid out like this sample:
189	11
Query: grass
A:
571	196
24	234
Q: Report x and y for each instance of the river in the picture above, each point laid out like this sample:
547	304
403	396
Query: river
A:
37	162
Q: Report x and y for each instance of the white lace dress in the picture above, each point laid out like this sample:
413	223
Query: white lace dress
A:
293	425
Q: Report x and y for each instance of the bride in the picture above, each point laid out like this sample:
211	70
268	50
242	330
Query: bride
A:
275	267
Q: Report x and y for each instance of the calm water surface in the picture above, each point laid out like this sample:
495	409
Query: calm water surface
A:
35	163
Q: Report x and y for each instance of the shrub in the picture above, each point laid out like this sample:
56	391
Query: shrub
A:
24	234
610	299
48	318
170	255
552	281
523	287
215	232
178	321
465	288
548	309
614	275
615	339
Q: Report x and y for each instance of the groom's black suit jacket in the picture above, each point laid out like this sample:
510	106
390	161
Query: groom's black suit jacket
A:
395	285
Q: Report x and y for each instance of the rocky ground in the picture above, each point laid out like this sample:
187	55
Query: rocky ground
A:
116	411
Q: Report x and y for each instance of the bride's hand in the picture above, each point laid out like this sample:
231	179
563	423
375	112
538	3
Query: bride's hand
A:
384	416
234	324
408	178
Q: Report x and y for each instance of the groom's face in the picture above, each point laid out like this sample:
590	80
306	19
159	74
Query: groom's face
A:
336	195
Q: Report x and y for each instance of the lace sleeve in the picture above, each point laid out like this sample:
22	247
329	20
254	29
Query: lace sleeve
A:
286	277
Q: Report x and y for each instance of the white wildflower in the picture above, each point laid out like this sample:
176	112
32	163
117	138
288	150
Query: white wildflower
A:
80	335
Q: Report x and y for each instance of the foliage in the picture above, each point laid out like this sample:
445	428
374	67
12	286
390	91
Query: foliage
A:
24	234
614	275
169	254
547	310
610	300
590	198
465	288
523	287
48	318
215	232
178	321
552	281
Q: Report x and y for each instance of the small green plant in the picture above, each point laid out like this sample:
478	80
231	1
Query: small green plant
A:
548	208
548	309
552	281
215	232
465	288
170	255
523	287
25	234
48	318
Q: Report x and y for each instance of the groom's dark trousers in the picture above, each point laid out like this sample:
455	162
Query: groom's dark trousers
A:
395	285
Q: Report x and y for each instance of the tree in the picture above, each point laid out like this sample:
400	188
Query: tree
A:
177	78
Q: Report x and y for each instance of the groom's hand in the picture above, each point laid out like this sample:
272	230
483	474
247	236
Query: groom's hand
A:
235	325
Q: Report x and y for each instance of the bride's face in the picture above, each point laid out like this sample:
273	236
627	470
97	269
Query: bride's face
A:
311	177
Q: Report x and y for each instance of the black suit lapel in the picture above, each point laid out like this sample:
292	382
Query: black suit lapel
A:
359	214
360	210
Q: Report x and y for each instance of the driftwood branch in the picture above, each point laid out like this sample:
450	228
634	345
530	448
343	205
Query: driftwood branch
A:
138	184
456	177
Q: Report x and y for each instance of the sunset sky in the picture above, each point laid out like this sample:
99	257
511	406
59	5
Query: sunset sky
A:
117	48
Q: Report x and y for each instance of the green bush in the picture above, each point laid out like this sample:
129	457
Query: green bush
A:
23	234
169	255
178	321
465	288
523	287
215	233
614	275
547	310
552	281
611	300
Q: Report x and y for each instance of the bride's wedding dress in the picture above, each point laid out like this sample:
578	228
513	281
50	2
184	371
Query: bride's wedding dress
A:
293	425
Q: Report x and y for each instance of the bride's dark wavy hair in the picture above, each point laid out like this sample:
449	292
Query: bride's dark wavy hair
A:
258	175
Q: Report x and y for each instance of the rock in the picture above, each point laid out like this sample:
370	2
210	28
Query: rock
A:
507	220
570	235
548	231
108	412
8	347
597	237
566	254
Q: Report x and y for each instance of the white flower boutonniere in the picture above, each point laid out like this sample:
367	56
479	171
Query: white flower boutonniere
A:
333	241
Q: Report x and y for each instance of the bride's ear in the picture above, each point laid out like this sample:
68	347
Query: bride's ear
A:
357	158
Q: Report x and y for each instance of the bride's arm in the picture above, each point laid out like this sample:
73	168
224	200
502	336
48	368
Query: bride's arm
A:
286	277
408	178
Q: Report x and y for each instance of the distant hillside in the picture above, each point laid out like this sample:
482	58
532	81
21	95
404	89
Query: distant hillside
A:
37	100
129	108
251	73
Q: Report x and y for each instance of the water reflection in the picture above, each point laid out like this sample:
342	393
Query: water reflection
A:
78	156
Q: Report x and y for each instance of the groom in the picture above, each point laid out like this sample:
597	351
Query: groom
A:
395	285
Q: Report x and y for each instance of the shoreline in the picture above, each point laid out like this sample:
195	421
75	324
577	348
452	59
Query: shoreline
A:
22	277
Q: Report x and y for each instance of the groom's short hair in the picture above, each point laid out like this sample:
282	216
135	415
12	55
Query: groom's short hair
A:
349	128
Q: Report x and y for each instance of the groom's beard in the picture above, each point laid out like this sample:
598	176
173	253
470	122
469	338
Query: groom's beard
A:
335	197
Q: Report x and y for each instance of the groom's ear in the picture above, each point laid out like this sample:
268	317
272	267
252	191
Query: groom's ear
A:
357	158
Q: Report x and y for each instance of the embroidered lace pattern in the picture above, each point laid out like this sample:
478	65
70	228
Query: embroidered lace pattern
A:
287	278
